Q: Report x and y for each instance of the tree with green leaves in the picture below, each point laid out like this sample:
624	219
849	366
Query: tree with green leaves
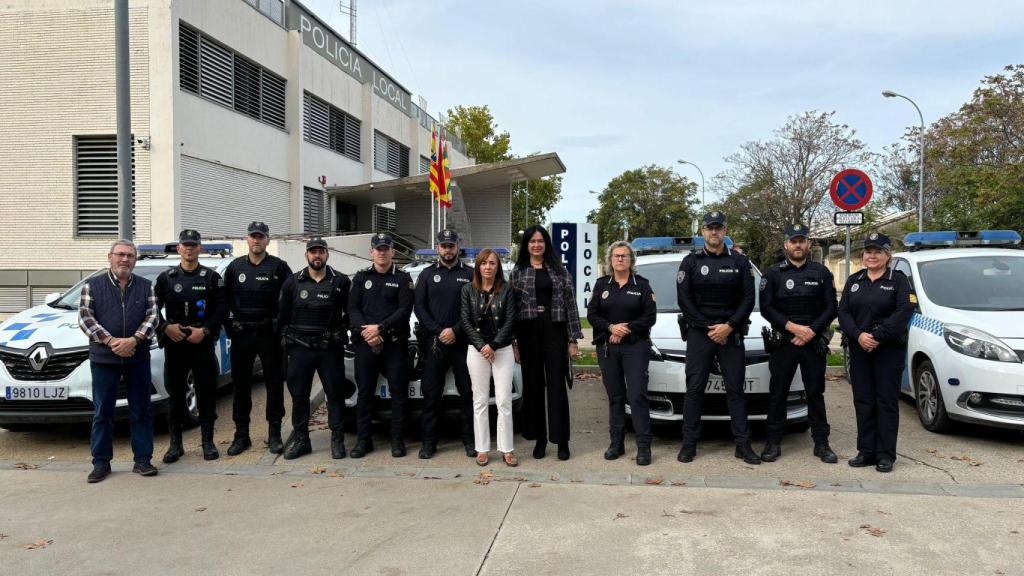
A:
477	128
647	201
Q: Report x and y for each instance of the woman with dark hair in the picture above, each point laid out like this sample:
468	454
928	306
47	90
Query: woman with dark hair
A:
547	328
487	319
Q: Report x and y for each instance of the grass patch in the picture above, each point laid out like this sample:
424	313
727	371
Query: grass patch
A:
589	358
834	360
584	323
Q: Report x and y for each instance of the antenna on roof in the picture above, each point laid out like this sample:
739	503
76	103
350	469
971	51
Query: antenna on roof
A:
349	10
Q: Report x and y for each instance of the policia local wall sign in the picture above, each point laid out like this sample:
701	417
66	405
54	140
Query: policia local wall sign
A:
319	37
576	245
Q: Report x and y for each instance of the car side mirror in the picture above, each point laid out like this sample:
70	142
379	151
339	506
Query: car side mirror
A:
52	297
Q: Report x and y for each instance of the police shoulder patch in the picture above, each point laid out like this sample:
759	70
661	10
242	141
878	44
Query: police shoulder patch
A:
680	276
764	283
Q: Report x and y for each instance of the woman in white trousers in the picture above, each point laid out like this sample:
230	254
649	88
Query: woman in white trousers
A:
487	319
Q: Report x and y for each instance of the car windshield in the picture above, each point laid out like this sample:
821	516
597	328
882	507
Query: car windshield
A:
662	276
990	283
70	299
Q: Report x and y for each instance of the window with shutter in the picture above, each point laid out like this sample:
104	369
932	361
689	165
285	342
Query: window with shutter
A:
424	165
188	55
96	185
389	156
247	87
314	210
215	72
380	152
273	98
315	120
330	127
353	140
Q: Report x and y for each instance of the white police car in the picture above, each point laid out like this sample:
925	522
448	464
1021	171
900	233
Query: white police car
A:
666	387
44	356
965	352
425	258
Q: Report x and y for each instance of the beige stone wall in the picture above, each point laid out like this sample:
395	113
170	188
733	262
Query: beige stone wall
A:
57	81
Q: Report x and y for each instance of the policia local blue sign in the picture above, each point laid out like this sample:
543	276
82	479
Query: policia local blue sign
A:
325	42
576	246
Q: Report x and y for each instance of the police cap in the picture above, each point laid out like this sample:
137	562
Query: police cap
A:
381	239
878	240
189	236
259	228
316	242
447	236
796	231
714	218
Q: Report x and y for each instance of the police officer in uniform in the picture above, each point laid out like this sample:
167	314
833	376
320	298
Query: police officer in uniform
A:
379	307
622	311
438	305
252	286
798	298
715	291
189	296
874	313
313	319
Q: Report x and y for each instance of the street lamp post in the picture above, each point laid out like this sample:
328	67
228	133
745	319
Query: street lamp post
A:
920	176
701	180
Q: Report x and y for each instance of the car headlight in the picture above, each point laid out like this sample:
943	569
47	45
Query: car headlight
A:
656	354
977	344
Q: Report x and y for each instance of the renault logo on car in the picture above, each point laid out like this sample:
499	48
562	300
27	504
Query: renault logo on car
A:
38	357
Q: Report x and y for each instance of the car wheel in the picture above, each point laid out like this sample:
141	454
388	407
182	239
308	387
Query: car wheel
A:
928	399
191	404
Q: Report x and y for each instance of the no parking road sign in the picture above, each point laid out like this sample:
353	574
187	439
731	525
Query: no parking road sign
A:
851	189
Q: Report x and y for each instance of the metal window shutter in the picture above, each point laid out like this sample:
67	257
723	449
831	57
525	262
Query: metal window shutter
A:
215	72
384	218
394	158
353	140
39	293
96	185
247	87
313	203
424	165
222	200
188	59
316	120
403	161
337	130
13	298
273	98
380	152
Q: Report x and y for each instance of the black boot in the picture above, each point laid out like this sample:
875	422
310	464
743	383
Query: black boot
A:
175	450
300	445
643	455
363	447
615	449
427	451
337	444
747	454
398	448
209	448
563	450
540	448
687	453
771	452
241	442
824	451
274	443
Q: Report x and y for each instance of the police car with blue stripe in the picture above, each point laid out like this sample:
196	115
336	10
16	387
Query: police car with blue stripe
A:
45	376
658	260
965	353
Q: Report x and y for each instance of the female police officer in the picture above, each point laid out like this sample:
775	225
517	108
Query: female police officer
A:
621	312
876	306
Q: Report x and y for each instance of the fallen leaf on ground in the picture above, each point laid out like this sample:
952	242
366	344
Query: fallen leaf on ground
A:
873	530
555	477
931	450
3	536
317	470
966	458
1011	532
678	483
334	475
431	477
487	474
656	481
407	474
278	472
297	485
25	466
798	483
41	543
665	514
201	509
620	515
533	485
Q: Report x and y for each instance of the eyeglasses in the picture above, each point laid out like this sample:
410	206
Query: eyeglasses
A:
620	256
128	255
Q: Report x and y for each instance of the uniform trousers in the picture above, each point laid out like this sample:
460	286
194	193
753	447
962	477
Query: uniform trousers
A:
181	358
783	364
624	372
438	359
329	364
875	378
245	347
701	352
393	362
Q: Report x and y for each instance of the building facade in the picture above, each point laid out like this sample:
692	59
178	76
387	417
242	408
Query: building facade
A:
241	110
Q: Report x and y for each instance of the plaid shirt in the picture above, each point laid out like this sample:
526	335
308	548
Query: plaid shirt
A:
96	332
563	298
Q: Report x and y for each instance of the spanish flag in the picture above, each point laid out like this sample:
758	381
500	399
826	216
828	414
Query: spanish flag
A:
435	167
446	174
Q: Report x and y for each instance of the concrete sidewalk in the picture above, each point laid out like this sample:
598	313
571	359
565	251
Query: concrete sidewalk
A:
304	523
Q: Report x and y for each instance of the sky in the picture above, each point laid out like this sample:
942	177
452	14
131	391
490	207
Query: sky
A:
613	86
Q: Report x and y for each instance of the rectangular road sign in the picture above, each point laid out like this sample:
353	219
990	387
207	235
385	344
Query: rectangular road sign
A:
849	218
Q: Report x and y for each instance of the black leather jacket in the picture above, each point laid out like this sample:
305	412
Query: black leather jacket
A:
474	304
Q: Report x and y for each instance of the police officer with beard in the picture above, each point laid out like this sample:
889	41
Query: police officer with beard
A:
715	291
189	295
313	320
438	305
798	298
379	307
252	285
